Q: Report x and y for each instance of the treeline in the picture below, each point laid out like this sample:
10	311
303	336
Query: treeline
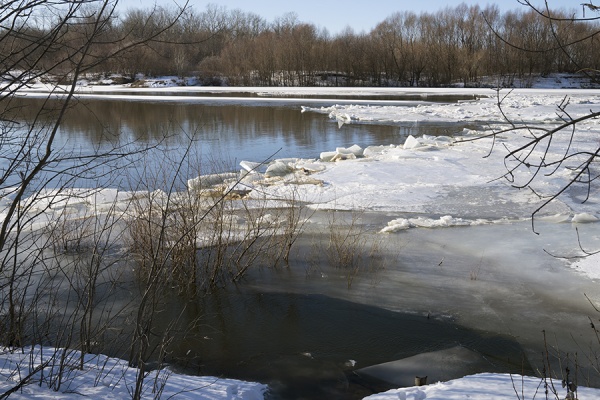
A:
453	45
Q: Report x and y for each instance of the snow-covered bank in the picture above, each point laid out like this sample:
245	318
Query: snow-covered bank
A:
107	378
174	89
110	378
487	386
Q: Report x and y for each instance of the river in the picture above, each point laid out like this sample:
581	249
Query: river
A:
303	328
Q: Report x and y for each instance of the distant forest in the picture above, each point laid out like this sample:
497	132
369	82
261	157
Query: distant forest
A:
454	45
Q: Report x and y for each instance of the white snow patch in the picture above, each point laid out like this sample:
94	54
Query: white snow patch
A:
421	222
484	387
110	378
583	218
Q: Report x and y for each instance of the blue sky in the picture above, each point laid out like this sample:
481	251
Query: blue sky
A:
335	15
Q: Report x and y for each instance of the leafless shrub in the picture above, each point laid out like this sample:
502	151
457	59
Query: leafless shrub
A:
351	246
474	273
205	241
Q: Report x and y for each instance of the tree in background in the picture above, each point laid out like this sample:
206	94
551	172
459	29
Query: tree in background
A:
453	46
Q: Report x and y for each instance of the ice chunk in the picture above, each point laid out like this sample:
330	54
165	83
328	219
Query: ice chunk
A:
205	181
239	188
278	168
343	118
343	153
248	178
411	143
327	155
441	365
371	151
251	166
311	167
354	149
556	218
583	218
343	156
396	225
289	161
423	222
438	141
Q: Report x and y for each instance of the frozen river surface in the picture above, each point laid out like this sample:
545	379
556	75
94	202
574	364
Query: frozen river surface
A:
456	242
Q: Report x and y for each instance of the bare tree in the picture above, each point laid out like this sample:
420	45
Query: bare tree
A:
535	158
56	43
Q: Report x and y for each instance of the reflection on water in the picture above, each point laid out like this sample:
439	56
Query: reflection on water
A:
305	345
222	133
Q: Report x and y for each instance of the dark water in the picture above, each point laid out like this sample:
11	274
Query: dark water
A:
297	328
330	94
305	345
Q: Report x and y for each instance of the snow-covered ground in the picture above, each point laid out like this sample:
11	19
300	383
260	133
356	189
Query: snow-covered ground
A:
425	182
108	378
486	386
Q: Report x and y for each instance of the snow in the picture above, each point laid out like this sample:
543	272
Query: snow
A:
589	266
445	221
523	106
485	386
409	177
109	378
